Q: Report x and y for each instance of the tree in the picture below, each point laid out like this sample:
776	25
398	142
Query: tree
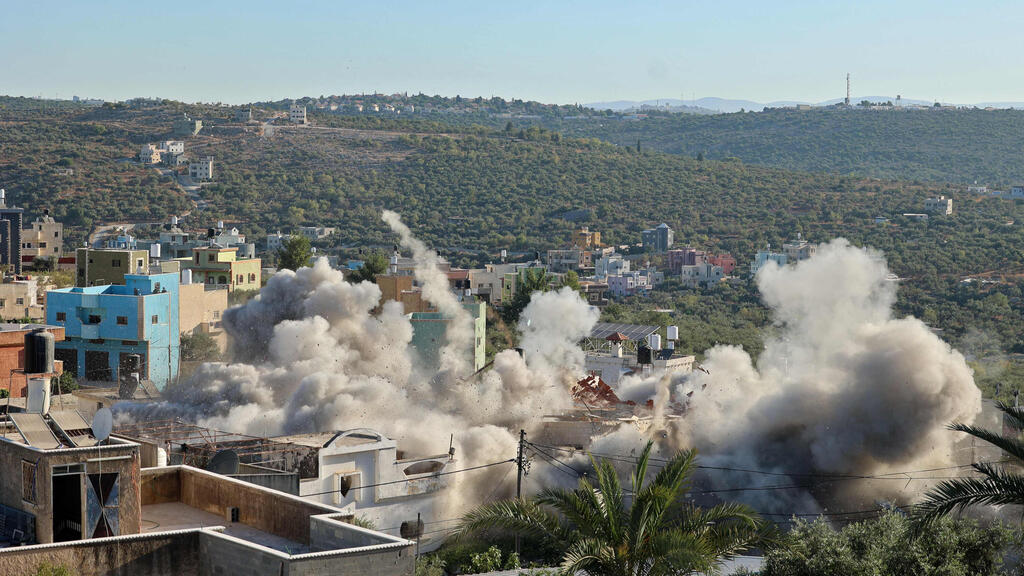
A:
374	264
295	253
998	486
572	280
199	347
889	545
597	534
531	280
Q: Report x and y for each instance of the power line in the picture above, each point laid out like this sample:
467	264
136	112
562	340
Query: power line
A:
509	461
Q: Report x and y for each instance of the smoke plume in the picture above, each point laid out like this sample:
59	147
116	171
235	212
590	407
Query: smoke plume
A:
842	388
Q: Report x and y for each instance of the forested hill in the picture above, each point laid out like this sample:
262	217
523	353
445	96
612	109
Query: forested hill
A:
960	146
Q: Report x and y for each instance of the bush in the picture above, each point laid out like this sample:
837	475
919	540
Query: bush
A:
887	546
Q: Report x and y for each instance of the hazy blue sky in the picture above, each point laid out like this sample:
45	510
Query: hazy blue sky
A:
552	51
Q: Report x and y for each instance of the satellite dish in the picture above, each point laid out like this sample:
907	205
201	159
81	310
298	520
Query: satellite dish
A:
223	462
102	424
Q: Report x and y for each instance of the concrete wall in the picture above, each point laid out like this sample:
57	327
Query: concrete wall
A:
12	455
161	554
401	562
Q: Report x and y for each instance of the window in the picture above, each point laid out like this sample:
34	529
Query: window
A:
94	319
62	316
3	302
42	244
122	320
116	262
239	279
155	319
252	277
209	279
28	481
216	314
138	263
40	227
56	234
19	301
209	257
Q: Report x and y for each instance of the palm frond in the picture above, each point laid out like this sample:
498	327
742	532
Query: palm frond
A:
1011	446
998	487
517	516
591	556
1015	415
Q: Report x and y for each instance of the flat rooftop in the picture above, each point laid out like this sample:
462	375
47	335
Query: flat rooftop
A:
177	516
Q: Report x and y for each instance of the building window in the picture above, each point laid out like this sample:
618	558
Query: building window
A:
209	257
19	301
240	279
3	302
61	316
94	319
209	279
252	277
56	234
42	244
28	481
216	314
116	263
138	263
155	319
122	320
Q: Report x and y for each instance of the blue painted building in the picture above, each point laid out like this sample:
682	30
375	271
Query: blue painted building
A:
103	325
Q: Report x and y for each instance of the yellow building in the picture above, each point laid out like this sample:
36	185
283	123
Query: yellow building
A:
401	288
217	266
584	238
201	310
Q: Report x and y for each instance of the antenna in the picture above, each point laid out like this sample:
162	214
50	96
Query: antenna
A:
847	88
102	424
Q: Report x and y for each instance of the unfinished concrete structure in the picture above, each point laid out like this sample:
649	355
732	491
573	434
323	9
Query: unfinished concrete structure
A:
92	508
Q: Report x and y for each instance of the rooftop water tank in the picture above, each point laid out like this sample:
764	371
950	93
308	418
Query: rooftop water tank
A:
39	352
672	333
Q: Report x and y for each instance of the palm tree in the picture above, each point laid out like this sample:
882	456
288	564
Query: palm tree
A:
597	534
996	486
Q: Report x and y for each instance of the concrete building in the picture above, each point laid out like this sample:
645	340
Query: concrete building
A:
201	311
201	169
186	126
92	507
11	220
108	266
701	275
103	325
576	259
316	232
628	284
149	154
12	356
585	239
19	298
44	238
799	249
243	114
916	217
219	266
429	331
612	264
726	261
613	351
297	114
275	241
939	205
763	257
658	239
676	259
172	147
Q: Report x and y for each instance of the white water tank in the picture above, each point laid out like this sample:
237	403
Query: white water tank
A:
186	276
38	401
174	220
161	457
220	224
504	255
672	333
154	251
654	341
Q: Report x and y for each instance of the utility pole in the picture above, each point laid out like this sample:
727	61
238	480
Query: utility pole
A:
419	534
519	476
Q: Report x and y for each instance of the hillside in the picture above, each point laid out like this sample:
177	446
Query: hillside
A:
472	191
959	146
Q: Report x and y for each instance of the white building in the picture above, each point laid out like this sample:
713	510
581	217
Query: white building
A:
611	264
799	249
940	205
201	169
396	488
149	154
916	217
627	284
297	114
701	275
275	241
316	232
763	257
173	147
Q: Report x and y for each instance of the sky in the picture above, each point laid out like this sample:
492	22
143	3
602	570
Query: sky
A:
555	51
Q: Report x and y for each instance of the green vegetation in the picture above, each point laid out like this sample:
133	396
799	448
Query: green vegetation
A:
63	384
295	253
374	264
47	569
199	347
596	532
999	485
889	545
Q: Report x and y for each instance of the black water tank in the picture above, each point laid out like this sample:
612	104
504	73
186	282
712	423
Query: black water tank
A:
132	363
39	352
